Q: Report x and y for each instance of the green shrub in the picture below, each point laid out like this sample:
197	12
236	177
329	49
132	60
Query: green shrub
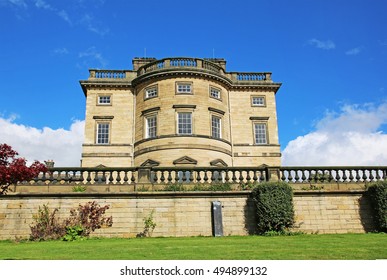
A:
248	186
220	187
176	187
79	188
378	194
274	202
213	187
149	226
73	233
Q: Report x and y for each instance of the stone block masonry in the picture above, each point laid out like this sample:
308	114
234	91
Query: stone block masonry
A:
189	213
333	212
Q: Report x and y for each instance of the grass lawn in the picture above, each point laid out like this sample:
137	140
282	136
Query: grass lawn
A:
299	247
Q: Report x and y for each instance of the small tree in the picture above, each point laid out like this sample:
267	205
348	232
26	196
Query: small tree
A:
14	169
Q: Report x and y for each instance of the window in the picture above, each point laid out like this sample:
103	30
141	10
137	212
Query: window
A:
260	135
103	133
184	123
104	100
151	92
258	101
151	126
214	93
184	88
216	127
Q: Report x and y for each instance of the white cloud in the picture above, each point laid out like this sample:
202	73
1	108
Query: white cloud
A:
350	137
18	3
94	55
42	5
63	14
90	23
61	145
354	51
325	45
60	51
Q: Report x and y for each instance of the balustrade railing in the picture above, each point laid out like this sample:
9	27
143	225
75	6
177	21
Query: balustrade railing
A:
211	66
108	74
178	62
339	174
182	62
203	175
253	77
86	176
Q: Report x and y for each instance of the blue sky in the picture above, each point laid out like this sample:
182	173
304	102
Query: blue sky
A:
331	57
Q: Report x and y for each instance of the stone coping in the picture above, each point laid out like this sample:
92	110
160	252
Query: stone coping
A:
171	194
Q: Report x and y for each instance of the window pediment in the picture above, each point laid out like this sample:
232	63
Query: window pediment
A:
185	160
218	163
150	163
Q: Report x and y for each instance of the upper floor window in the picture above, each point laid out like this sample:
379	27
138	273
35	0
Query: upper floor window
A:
184	123
216	127
103	131
258	101
151	92
184	88
104	100
151	126
260	133
214	93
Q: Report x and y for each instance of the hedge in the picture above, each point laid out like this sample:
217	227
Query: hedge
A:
274	202
378	194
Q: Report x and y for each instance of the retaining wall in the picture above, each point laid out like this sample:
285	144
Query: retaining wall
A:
189	213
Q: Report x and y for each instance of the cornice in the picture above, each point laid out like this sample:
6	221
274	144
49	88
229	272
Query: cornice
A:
179	136
178	72
90	84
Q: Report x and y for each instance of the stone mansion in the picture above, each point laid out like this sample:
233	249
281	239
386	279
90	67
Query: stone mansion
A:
180	112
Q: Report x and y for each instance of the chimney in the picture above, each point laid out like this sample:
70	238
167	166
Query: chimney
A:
140	61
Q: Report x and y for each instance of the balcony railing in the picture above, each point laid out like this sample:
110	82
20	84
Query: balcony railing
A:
181	63
88	176
153	175
338	174
108	74
203	175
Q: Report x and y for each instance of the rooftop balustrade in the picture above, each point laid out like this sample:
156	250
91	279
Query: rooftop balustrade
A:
208	175
182	63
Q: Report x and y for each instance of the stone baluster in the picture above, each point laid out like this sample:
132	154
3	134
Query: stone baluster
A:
118	178
133	178
162	178
111	177
126	178
198	177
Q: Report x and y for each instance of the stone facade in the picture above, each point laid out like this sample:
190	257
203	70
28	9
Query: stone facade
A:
189	214
180	111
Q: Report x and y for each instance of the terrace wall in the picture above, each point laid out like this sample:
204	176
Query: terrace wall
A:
189	213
